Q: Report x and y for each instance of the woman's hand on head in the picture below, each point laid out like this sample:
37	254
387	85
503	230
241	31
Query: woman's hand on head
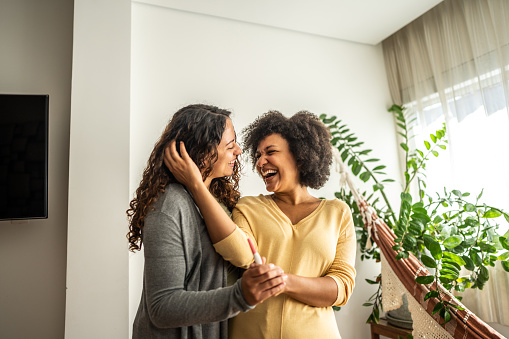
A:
260	282
182	167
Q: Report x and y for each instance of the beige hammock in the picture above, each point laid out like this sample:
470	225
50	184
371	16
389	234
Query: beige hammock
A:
399	278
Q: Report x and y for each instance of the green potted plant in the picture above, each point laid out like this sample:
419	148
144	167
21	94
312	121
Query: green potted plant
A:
446	231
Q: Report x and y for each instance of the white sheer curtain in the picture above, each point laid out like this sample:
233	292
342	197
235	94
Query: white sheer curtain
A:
451	66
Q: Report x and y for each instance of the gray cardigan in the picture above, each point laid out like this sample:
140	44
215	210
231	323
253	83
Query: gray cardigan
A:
184	293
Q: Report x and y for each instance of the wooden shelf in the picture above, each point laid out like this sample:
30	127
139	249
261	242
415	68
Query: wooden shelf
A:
387	330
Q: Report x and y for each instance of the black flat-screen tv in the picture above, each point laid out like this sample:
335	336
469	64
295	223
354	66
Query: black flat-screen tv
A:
24	156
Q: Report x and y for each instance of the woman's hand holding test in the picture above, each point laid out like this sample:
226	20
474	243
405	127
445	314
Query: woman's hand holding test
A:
260	282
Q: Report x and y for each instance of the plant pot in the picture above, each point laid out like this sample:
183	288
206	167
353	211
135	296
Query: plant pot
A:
400	317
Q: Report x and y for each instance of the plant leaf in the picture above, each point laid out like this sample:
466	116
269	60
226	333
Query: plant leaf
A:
344	155
406	197
445	273
365	152
456	193
446	316
402	255
356	168
437	307
480	194
453	268
475	258
503	256
425	279
365	176
428	261
492	213
454	257
469	263
504	242
505	265
484	274
487	247
448	261
431	294
452	241
409	242
433	246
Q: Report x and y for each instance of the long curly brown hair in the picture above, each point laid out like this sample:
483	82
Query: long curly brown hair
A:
201	128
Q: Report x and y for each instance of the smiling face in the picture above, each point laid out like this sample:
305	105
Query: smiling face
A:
227	152
276	164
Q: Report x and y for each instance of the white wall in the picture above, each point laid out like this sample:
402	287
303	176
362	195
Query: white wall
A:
35	57
97	262
180	58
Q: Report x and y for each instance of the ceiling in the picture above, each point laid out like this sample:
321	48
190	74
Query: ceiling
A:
361	21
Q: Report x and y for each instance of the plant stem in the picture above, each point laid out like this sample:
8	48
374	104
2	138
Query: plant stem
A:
416	171
389	208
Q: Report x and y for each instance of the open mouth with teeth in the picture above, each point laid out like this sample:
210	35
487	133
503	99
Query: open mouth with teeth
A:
268	174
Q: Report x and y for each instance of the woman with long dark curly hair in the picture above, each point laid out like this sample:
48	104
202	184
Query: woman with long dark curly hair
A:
312	239
185	292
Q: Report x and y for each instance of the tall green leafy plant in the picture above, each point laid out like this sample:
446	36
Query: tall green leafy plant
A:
449	232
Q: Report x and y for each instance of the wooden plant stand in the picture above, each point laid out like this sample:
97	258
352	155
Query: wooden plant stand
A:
387	330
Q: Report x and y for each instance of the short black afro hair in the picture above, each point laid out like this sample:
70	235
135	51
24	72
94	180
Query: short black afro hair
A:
307	136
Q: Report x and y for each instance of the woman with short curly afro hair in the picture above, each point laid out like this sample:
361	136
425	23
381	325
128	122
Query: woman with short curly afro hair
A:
312	240
307	137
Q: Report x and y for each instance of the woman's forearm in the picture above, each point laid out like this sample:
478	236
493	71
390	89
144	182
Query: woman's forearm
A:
319	292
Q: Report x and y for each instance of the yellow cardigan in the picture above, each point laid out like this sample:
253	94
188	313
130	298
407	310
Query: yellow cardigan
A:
322	244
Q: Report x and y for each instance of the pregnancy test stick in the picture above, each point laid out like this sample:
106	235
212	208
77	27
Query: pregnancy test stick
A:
256	256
